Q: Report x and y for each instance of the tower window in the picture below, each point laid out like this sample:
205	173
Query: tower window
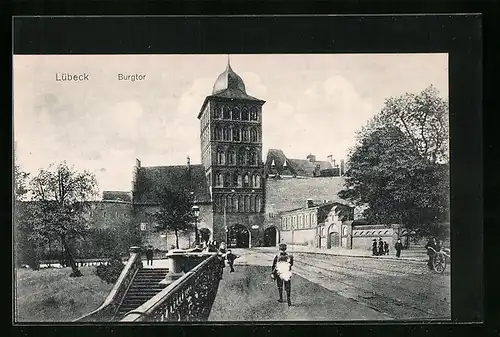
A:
240	181
244	135
227	134
226	112
253	114
231	157
256	181
218	179
244	113
217	112
253	135
246	181
241	157
236	134
227	179
220	157
235	203
236	113
218	133
247	203
253	158
241	203
235	179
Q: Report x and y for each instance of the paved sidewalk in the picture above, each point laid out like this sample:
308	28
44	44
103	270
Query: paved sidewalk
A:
415	255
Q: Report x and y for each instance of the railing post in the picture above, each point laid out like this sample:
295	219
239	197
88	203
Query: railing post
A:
177	262
135	250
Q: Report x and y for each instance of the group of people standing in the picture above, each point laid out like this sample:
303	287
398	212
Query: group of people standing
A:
381	247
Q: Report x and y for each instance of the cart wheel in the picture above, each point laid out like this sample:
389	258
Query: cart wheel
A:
439	263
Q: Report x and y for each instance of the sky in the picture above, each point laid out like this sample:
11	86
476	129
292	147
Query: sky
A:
315	103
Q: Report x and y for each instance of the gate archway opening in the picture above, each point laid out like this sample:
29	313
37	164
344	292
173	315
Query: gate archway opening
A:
270	237
205	234
238	236
333	238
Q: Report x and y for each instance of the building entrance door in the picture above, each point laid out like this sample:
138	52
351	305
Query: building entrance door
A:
334	239
238	237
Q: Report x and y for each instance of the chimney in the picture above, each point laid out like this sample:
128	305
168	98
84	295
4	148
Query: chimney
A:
342	167
309	203
325	201
334	163
188	161
134	176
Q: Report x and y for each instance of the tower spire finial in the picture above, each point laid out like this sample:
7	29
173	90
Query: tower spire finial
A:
228	60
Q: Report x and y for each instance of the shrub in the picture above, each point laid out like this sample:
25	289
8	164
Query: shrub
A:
111	271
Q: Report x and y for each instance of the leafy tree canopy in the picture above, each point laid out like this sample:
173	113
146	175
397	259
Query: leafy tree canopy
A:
399	166
60	196
175	213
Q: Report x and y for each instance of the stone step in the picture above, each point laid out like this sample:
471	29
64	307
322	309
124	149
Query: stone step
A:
135	302
142	292
141	295
147	286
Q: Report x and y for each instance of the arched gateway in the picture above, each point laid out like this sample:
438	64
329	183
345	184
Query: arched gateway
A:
205	234
238	236
271	236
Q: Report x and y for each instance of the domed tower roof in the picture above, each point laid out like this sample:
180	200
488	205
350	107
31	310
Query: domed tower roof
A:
229	86
229	80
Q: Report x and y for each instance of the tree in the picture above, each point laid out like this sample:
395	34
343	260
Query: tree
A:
398	167
174	213
25	250
61	195
423	118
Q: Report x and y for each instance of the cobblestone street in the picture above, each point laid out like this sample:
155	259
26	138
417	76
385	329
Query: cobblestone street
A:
333	288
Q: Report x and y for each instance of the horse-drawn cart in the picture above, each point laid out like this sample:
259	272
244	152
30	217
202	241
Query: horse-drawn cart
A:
440	259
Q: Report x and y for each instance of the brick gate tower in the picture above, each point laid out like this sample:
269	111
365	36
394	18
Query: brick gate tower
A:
231	152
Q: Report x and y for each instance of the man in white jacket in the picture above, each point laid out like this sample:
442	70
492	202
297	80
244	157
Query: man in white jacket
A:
282	272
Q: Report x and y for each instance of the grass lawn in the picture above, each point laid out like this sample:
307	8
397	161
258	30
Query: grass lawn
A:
50	295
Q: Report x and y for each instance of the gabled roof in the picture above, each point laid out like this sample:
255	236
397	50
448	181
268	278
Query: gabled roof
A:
306	168
116	196
299	167
181	178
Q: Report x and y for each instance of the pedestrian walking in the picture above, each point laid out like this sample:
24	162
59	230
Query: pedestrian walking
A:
374	248
221	252
282	273
380	247
386	248
149	255
230	257
431	247
398	246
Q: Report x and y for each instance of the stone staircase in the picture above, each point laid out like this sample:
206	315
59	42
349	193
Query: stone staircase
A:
144	286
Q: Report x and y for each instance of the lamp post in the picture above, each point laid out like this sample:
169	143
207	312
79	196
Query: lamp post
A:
196	214
225	223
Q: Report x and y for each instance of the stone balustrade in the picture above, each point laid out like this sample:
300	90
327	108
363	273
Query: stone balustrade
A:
107	310
192	287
